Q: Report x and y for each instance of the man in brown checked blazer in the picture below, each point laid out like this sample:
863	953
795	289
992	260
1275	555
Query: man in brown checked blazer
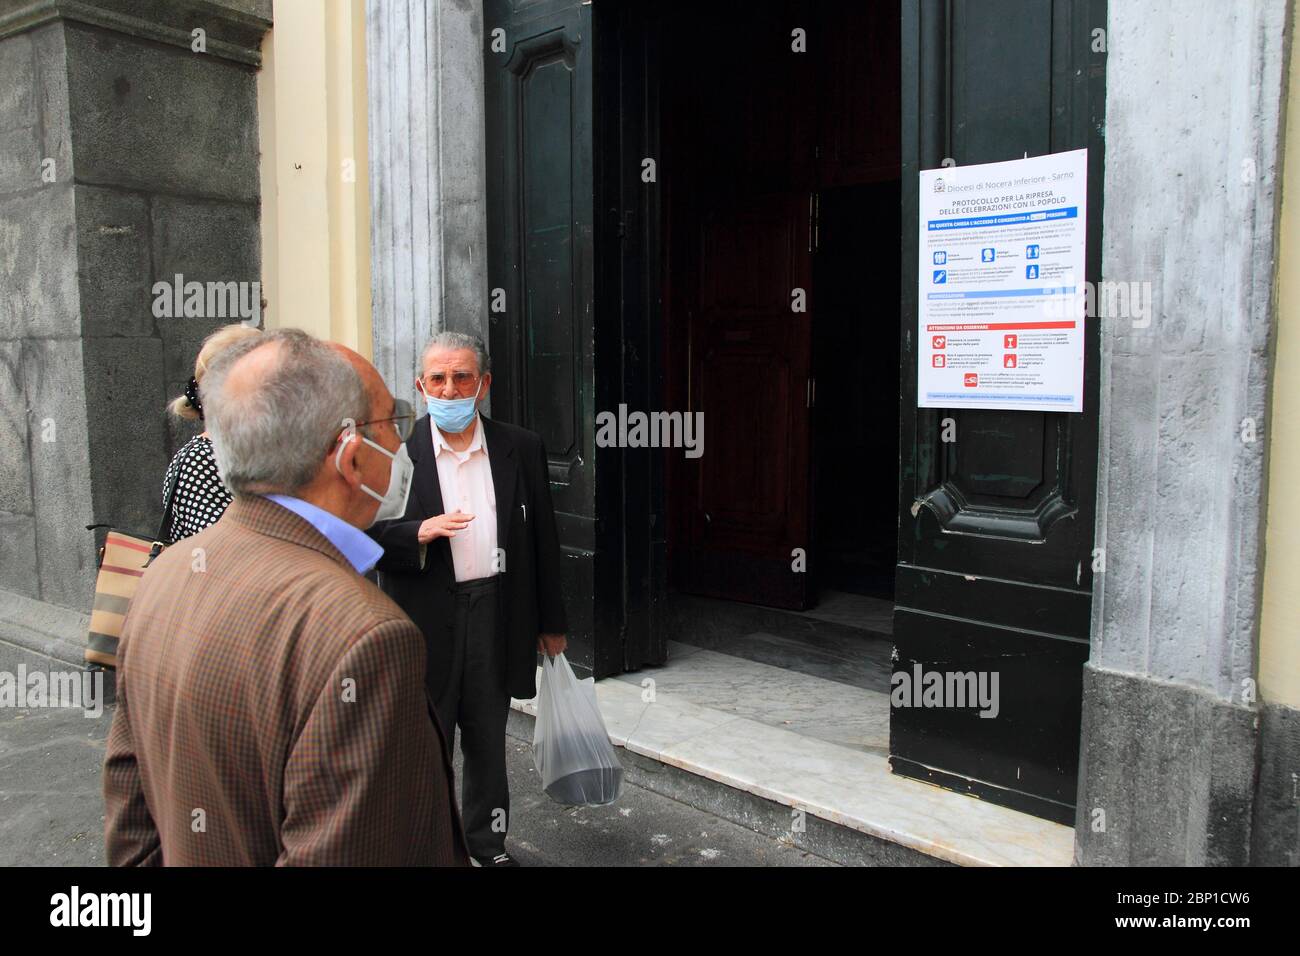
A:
271	703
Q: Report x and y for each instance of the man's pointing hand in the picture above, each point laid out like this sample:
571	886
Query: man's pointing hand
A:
443	526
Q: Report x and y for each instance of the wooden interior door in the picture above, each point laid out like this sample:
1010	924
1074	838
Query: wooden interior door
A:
750	345
738	171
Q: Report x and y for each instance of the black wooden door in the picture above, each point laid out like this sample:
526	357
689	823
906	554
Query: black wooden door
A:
538	67
996	527
573	251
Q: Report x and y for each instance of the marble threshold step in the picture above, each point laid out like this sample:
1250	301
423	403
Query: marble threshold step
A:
848	786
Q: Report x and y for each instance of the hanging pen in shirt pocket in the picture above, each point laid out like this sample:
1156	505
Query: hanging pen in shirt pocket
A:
524	509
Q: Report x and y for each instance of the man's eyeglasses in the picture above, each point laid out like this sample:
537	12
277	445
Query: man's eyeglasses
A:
403	419
463	381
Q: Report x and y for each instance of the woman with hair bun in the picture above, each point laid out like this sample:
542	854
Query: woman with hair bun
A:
199	498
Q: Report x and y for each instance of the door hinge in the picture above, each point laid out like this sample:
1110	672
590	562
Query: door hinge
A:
814	227
624	222
810	226
817	222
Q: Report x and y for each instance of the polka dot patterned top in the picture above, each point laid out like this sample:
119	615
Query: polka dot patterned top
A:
201	498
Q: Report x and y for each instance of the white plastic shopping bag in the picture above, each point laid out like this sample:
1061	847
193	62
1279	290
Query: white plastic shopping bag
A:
570	744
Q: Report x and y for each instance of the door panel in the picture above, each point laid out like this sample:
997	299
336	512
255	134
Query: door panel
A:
857	92
540	136
573	240
996	527
749	376
550	223
629	312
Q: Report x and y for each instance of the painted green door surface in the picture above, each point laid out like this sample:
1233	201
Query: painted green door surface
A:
996	528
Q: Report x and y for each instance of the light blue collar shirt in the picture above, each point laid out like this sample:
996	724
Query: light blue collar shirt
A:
354	544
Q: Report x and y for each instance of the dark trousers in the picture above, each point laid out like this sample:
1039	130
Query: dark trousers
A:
474	698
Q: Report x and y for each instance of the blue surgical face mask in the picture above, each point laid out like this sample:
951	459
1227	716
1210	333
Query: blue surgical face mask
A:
453	415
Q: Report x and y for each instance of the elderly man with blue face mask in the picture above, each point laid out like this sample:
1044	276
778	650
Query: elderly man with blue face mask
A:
475	562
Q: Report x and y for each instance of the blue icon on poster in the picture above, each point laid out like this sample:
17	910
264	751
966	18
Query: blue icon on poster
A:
988	255
1031	252
1031	272
940	276
941	258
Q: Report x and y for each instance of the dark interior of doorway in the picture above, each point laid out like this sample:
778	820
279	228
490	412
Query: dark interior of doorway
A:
767	147
855	364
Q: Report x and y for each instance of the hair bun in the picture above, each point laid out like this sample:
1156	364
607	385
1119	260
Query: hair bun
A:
192	395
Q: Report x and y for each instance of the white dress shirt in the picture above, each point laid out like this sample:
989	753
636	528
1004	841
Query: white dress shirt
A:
465	478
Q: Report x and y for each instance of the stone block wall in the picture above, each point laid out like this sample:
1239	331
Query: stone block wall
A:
126	157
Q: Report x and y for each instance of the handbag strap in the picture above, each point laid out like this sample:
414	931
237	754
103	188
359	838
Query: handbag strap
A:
160	540
164	527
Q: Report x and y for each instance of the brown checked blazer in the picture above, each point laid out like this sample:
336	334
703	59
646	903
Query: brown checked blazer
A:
271	709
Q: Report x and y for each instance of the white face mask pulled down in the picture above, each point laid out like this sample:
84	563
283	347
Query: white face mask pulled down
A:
392	504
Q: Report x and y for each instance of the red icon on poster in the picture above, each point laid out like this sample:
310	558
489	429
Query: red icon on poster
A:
940	341
1009	341
939	361
971	380
1009	360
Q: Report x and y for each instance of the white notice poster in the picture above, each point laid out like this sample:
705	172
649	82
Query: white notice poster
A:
1001	303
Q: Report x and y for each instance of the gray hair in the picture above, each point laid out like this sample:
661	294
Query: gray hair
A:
458	340
271	438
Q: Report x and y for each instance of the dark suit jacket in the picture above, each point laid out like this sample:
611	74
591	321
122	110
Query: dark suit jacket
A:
274	690
531	599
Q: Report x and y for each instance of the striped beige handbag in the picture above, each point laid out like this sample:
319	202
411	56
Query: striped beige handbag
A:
122	561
